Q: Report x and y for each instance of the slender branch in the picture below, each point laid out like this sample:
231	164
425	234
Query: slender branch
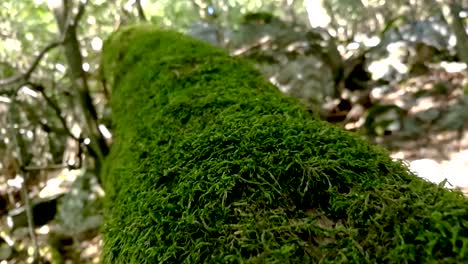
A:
11	92
32	68
459	30
39	88
79	15
243	50
79	81
48	167
141	12
23	174
27	74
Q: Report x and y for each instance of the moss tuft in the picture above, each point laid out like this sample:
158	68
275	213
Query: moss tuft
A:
211	164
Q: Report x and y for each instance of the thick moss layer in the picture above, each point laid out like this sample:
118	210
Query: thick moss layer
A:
211	164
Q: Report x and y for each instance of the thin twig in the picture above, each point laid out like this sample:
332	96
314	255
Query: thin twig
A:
141	12
27	74
23	174
55	107
45	168
79	15
241	51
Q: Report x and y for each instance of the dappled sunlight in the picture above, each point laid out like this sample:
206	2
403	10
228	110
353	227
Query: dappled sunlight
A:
453	172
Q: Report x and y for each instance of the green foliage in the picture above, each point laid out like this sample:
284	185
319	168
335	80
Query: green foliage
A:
24	28
211	164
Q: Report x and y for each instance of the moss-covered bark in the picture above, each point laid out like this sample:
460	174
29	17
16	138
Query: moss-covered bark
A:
211	164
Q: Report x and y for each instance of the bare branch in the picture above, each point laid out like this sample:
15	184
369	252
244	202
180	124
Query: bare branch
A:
24	192
79	15
141	12
46	168
27	74
39	88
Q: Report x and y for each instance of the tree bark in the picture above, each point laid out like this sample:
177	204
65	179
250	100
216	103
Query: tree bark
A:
67	24
459	29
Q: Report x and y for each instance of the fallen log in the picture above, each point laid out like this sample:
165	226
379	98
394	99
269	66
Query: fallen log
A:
212	164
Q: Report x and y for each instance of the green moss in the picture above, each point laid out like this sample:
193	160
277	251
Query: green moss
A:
211	164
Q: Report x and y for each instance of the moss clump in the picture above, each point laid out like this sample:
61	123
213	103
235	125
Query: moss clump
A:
211	164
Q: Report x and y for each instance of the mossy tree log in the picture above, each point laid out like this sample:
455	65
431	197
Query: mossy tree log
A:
212	164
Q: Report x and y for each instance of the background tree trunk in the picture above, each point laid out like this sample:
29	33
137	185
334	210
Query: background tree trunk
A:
67	24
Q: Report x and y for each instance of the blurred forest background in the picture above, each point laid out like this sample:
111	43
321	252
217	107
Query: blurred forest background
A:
392	71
